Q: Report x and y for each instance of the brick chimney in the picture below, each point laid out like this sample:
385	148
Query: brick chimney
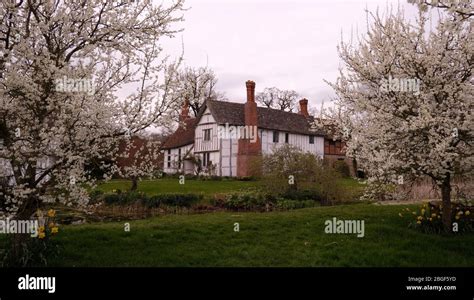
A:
250	90
304	107
248	150
184	115
250	105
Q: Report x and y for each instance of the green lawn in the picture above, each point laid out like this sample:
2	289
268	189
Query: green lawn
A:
294	238
172	185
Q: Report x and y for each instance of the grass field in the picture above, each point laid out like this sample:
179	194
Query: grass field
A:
172	185
293	238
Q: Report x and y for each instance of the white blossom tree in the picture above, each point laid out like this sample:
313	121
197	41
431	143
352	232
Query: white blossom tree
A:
139	156
75	78
405	97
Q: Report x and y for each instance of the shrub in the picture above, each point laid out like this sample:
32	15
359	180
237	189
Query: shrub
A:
246	178
112	198
95	196
125	198
342	168
332	189
378	191
287	168
210	178
247	201
302	195
284	204
181	200
261	201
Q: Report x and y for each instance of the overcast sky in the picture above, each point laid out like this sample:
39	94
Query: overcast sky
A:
282	43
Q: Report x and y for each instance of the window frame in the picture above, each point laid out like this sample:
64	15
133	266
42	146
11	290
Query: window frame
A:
206	159
276	136
207	134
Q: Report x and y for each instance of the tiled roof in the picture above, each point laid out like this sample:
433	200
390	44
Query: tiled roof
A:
268	118
183	136
233	114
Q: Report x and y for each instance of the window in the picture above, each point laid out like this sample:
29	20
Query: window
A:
287	137
207	134
275	136
333	147
169	158
311	139
206	159
338	147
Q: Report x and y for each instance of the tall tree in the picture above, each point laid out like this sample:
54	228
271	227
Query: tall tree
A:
278	99
406	94
197	85
63	65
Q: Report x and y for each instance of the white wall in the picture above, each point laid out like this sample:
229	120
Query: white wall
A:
206	122
298	140
173	158
229	149
42	165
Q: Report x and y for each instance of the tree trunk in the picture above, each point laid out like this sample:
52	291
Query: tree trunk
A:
446	197
19	240
134	184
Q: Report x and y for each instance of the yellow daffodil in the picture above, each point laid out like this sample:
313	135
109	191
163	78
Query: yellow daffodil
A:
54	230
418	222
41	229
51	225
460	213
51	213
41	235
414	213
433	215
431	219
423	211
420	218
457	217
400	214
468	213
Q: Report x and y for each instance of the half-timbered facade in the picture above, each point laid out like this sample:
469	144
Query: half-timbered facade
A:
225	136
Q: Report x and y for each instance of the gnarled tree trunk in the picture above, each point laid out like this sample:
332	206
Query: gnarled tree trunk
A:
446	200
19	240
134	184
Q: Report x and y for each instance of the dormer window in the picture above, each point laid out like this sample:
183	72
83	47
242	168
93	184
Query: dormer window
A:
311	139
